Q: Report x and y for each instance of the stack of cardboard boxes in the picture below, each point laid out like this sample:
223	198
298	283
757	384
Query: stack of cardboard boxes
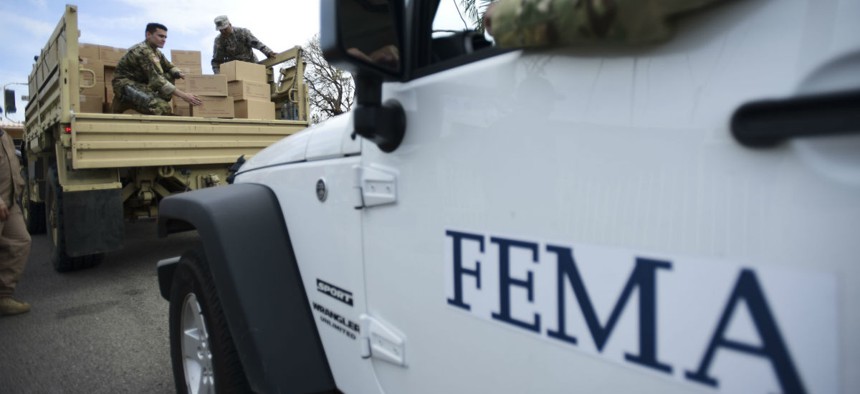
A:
211	89
102	61
246	84
240	90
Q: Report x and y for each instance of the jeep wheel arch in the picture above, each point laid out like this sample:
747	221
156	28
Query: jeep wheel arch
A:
254	269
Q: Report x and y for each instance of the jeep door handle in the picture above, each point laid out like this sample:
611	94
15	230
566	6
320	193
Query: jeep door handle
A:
766	123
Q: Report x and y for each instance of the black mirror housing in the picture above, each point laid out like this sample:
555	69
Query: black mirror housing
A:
361	36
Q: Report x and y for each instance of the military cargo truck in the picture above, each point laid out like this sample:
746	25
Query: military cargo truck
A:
89	172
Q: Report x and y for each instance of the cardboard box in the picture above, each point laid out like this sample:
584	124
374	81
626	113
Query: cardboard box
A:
253	109
88	53
244	71
97	90
213	107
187	61
247	90
184	57
207	85
96	77
92	104
183	109
190	69
97	68
110	56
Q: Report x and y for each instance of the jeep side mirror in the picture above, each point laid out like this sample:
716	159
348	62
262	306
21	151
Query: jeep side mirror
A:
362	36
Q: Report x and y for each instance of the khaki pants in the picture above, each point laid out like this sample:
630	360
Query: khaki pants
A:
14	250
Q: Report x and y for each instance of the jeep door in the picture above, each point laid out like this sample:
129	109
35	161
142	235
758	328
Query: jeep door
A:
582	219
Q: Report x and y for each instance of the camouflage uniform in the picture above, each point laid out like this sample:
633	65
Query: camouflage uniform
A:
518	23
143	81
237	46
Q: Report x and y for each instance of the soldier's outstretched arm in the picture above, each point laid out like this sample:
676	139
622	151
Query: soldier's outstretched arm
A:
258	45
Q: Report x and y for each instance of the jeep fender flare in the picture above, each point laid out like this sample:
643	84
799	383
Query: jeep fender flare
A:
258	282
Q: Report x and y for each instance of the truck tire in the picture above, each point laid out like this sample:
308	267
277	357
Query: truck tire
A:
34	212
56	231
202	352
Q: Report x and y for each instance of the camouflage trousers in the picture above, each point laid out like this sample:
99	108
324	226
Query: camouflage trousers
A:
138	96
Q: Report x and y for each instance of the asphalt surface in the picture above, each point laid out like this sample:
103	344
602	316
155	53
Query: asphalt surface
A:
100	330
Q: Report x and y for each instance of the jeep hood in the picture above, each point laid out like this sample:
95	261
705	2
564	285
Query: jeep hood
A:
326	140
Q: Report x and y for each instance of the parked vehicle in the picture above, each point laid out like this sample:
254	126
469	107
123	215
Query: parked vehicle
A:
667	218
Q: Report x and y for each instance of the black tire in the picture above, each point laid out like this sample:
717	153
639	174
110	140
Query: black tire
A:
197	321
34	212
56	231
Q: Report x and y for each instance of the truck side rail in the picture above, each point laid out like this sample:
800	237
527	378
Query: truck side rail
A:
118	140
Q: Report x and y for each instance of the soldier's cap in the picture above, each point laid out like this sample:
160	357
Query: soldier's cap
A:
221	22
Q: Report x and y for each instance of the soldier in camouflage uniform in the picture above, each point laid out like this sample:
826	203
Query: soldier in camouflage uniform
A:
523	23
235	43
143	80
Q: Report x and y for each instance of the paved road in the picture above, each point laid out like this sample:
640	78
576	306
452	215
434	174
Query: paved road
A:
101	330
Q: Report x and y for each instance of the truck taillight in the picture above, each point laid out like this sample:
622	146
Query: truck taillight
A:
68	130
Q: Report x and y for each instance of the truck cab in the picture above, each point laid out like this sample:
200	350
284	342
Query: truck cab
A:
668	217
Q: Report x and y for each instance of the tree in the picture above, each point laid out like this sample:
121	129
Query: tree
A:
331	91
474	11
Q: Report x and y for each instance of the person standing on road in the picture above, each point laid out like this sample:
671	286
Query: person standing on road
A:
143	80
235	43
14	238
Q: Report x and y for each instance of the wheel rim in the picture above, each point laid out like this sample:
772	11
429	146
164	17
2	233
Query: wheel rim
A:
196	352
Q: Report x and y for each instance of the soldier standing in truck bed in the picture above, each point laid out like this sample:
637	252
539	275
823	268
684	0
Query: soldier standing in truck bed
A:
235	43
143	80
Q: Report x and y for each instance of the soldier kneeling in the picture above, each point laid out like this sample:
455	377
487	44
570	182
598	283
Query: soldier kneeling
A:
144	78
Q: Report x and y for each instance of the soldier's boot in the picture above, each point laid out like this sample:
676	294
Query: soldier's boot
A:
10	306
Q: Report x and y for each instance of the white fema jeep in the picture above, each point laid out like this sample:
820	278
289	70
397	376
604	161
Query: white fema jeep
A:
672	218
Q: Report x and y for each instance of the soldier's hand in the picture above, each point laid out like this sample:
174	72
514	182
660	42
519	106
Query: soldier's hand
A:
181	75
270	54
191	99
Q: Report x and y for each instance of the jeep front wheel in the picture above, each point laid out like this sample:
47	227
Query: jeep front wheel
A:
201	348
